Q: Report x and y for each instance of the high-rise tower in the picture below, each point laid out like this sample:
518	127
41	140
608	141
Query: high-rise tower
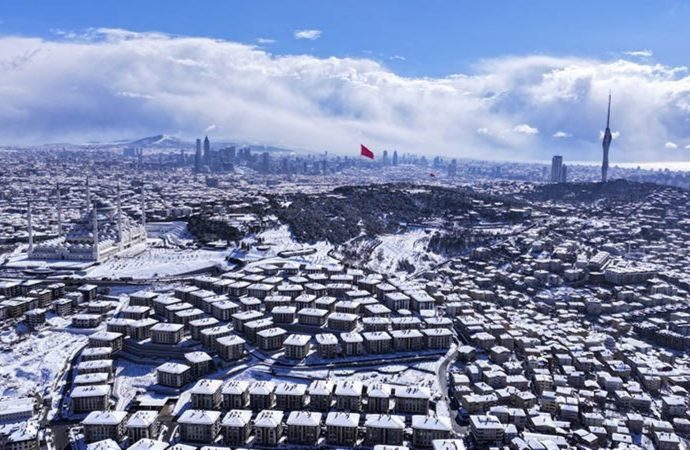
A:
197	157
207	151
556	168
606	143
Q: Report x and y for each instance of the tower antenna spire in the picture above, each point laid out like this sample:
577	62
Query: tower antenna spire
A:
608	113
606	144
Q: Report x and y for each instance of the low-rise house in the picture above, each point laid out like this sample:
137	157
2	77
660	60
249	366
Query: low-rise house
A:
167	333
206	394
342	428
173	374
198	425
379	398
201	363
271	339
384	429
100	425
320	395
230	347
237	427
90	398
303	427
291	396
235	394
268	427
297	346
142	425
428	428
348	395
261	395
412	400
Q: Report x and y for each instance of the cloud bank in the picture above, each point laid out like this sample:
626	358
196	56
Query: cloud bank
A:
112	84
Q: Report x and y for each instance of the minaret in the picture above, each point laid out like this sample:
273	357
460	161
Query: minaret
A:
120	241
143	211
88	195
606	143
59	210
95	232
31	229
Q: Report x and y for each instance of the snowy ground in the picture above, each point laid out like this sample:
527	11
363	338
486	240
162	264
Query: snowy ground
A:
394	248
34	363
416	374
280	239
401	375
159	262
131	379
170	233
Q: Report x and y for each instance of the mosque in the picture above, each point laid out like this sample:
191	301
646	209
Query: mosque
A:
102	232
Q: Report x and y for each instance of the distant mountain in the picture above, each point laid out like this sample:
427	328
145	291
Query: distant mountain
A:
166	142
158	141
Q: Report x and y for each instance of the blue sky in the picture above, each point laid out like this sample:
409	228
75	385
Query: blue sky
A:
436	37
519	79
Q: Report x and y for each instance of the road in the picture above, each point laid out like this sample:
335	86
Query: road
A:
442	377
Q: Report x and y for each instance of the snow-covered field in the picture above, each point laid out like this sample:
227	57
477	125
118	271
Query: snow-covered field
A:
403	376
131	379
280	239
394	248
34	363
159	262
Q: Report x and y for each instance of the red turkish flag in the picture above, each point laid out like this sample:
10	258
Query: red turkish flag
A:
366	152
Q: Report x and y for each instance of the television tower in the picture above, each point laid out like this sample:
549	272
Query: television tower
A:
606	143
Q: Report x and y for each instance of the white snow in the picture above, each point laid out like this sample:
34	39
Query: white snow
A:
34	363
280	239
393	248
130	378
159	262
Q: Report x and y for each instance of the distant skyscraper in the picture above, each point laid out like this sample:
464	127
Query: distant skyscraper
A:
197	157
453	168
606	143
556	168
395	157
207	151
385	157
265	162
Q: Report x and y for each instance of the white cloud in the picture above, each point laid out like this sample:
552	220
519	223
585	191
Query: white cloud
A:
112	84
397	57
561	135
614	135
265	41
523	128
128	94
210	128
640	53
311	35
670	145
